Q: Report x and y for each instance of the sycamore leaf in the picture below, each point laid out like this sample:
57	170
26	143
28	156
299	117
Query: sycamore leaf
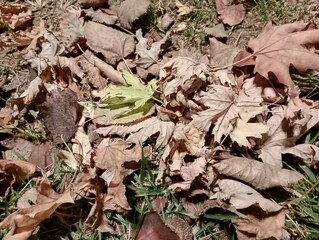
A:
243	129
224	106
125	100
140	132
242	196
278	47
148	56
257	174
113	44
131	10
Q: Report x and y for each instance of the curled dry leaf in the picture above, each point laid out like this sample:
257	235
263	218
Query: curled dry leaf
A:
308	152
257	174
113	44
131	10
24	221
12	171
242	196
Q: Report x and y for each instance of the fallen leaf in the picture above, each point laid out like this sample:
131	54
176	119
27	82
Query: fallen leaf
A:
113	44
41	156
101	16
125	100
154	228
308	152
24	221
14	15
260	226
257	174
92	3
148	56
140	132
278	47
18	148
229	12
242	196
180	226
131	10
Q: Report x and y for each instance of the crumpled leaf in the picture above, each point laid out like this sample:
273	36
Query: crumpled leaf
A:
12	171
24	221
278	47
148	56
309	152
131	10
242	196
257	174
140	132
130	99
260	226
113	44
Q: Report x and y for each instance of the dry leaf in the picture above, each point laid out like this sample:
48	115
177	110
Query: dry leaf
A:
260	226
230	14
24	221
154	228
242	196
148	56
131	10
278	47
257	174
41	155
308	152
113	44
142	131
18	149
92	3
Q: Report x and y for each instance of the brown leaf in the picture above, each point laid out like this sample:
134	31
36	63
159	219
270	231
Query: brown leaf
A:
181	227
41	155
260	226
113	44
12	171
18	148
242	196
60	114
131	10
24	221
229	13
154	228
278	47
92	3
14	15
257	174
142	131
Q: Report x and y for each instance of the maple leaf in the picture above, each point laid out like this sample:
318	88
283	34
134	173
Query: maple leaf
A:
130	99
278	47
230	14
148	56
257	174
113	44
224	107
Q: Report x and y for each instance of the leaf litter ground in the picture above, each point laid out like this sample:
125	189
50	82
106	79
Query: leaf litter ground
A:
119	131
